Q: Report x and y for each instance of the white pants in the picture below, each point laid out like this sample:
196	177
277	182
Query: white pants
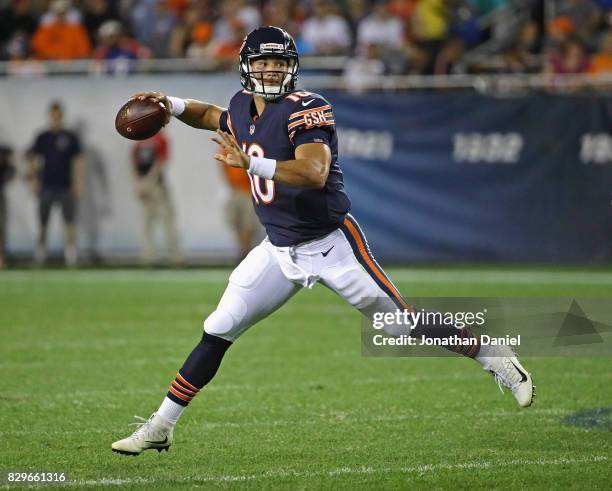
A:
269	276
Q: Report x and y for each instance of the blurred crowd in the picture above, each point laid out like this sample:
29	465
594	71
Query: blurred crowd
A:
388	36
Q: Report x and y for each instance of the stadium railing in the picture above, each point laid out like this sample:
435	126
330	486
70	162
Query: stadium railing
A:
157	65
326	73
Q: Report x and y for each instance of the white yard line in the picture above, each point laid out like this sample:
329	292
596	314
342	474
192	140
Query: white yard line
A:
284	473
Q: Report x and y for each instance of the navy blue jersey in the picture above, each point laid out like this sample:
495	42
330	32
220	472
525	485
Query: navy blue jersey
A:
290	214
57	149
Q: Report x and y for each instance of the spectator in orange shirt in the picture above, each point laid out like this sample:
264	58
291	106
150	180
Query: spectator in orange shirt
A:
601	62
200	37
61	39
225	53
191	36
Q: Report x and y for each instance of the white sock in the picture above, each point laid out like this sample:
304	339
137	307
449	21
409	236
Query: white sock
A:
170	411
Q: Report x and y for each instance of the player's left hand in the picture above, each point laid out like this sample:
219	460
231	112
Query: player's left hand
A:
234	155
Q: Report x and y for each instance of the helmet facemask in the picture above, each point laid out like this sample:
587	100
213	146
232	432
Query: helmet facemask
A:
255	83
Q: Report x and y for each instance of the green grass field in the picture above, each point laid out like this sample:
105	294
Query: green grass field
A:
295	405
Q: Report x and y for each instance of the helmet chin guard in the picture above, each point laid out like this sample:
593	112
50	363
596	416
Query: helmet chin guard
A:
267	91
268	42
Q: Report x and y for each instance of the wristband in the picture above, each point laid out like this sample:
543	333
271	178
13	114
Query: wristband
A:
259	166
177	105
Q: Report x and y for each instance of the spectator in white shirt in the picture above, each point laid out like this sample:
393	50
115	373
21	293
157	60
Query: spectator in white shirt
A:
248	15
381	28
326	32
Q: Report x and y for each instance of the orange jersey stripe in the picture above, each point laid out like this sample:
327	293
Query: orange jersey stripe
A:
180	388
320	108
379	274
301	121
179	395
332	122
180	377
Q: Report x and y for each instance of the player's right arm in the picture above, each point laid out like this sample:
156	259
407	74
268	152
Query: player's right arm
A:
197	114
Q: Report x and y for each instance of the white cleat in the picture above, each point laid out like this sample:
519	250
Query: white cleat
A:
152	434
509	372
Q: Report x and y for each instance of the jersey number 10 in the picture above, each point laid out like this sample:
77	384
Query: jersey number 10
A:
261	194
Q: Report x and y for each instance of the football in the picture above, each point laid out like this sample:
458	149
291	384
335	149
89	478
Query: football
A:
140	119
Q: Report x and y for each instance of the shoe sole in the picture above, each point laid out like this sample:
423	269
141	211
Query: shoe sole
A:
526	373
533	393
135	454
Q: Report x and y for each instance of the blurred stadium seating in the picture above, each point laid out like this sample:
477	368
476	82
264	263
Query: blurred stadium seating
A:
409	36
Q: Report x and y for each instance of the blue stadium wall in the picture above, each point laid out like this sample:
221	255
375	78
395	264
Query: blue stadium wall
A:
453	177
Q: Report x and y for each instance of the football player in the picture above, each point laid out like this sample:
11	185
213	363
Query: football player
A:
285	139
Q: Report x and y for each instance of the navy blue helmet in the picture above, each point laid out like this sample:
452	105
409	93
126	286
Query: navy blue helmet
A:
267	42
